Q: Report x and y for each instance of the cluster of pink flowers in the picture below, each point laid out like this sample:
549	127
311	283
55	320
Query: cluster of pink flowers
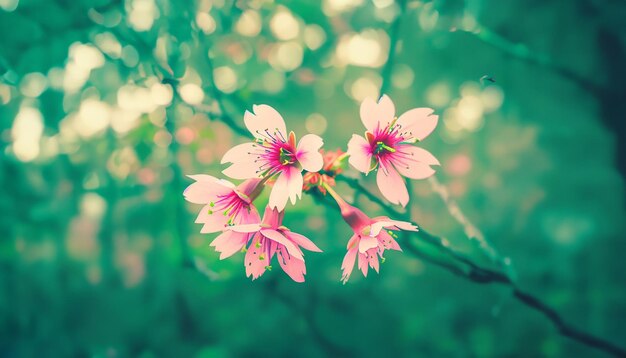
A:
276	158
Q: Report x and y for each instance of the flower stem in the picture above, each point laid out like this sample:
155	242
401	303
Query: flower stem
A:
342	203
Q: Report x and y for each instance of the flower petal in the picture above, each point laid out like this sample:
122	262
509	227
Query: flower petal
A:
242	159
280	193
391	185
245	228
420	122
292	266
388	242
257	257
294	184
359	151
414	162
376	115
348	264
379	225
372	258
302	241
367	242
419	154
279	238
206	189
353	242
287	186
307	153
250	216
363	264
213	221
265	118
239	153
229	243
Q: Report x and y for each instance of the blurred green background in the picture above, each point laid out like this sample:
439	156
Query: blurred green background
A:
105	105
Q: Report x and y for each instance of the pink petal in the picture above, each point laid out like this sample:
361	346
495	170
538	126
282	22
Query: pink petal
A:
248	216
376	115
257	257
353	242
366	243
229	242
294	184
242	159
416	171
288	185
419	154
388	242
360	156
279	238
280	193
419	121
392	186
414	162
372	258
348	264
302	241
292	266
213	222
245	228
363	264
307	153
265	118
403	225
206	189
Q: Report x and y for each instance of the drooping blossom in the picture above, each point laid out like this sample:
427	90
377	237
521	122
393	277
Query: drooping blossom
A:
224	205
270	238
372	236
274	152
389	147
326	176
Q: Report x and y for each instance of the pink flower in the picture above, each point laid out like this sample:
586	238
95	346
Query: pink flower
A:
270	238
370	240
274	153
224	205
388	146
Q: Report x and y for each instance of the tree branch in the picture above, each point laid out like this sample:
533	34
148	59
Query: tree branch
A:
458	263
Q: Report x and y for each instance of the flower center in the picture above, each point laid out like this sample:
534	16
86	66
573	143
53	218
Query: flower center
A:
285	156
229	205
381	147
273	152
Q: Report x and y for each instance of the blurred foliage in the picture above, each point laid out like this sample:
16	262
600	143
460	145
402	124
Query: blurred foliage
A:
105	105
